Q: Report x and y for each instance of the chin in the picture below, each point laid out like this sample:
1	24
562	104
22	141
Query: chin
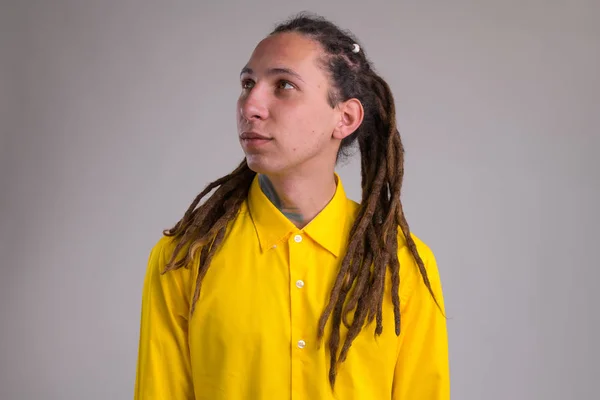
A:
261	165
257	164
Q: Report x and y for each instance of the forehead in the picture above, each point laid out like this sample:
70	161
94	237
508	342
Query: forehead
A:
288	50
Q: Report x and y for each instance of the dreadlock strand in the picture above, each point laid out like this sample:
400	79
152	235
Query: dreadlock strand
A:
394	266
379	302
355	328
203	268
393	181
365	303
334	341
413	250
375	291
361	281
333	298
222	222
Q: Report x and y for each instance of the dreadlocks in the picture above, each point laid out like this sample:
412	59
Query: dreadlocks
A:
373	242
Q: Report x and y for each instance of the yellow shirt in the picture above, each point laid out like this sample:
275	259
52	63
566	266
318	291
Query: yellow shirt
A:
253	333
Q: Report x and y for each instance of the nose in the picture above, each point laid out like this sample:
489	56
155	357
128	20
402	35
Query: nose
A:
253	105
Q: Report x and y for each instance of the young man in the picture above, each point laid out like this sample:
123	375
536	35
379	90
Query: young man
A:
278	286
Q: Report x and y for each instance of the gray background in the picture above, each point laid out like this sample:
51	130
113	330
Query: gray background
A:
115	114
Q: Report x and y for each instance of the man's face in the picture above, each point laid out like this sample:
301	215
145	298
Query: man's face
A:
284	119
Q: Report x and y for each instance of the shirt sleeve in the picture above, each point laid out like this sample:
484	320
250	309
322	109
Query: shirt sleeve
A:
163	369
422	369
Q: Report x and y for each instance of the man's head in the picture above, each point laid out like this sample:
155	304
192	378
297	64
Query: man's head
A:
302	97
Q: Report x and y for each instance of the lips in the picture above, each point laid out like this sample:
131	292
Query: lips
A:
253	136
254	140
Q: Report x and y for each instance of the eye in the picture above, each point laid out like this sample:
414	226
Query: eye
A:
285	85
247	84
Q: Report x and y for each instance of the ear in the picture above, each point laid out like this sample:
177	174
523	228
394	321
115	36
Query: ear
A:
351	114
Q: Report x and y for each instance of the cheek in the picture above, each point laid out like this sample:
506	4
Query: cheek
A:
306	128
310	118
240	104
238	108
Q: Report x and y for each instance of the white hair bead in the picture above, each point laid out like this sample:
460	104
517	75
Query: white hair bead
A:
356	48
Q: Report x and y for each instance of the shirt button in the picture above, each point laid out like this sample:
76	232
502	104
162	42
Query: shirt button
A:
297	238
274	246
301	344
299	283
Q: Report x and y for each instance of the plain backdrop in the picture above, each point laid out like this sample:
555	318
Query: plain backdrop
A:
115	114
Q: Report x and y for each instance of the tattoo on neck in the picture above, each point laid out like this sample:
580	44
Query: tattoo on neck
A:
292	213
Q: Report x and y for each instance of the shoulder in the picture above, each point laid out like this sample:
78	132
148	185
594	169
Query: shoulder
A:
161	254
170	291
163	249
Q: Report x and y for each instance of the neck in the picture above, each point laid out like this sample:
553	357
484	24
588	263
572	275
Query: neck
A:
299	198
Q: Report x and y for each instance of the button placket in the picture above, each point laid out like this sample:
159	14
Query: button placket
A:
299	254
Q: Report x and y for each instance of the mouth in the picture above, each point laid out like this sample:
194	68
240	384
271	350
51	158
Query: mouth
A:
253	139
249	135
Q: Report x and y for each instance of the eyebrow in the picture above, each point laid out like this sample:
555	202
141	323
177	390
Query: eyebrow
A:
273	71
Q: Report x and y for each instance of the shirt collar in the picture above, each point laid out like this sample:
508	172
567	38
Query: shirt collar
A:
330	228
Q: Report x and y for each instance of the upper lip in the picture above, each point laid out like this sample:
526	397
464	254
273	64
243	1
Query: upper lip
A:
253	135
